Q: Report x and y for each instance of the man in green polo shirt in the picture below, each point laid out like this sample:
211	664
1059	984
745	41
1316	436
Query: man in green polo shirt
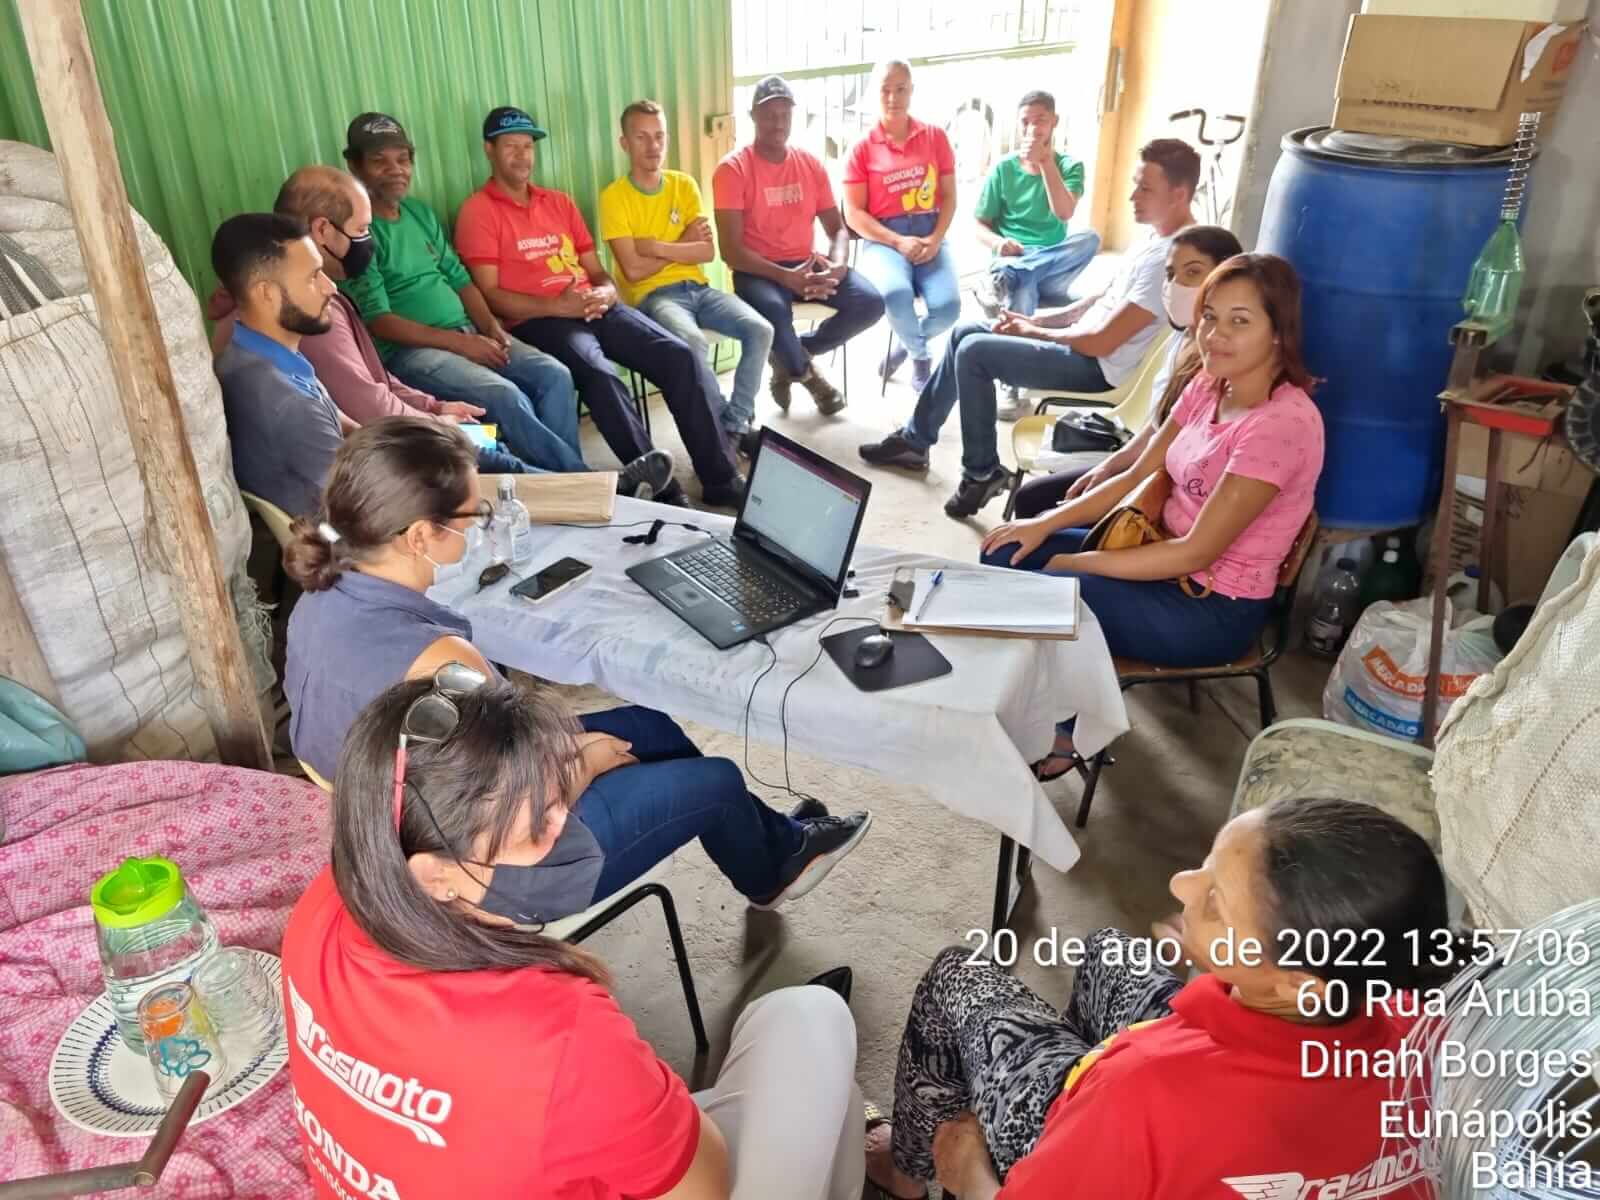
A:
1022	217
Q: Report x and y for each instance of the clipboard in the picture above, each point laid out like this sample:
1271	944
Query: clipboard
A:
894	617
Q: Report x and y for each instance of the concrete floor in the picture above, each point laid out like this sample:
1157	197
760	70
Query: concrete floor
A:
924	877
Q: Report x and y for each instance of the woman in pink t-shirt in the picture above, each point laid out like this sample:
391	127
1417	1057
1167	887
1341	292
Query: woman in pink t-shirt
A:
900	197
1243	448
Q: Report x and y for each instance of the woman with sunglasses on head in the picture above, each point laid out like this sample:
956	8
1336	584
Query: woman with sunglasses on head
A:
400	512
444	1047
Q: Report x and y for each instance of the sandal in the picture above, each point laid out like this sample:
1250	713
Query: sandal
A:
875	1191
1074	762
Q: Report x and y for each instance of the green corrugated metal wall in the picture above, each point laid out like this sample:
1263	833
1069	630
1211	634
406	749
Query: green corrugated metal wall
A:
215	101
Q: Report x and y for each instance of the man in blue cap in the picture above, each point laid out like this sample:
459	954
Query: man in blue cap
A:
532	256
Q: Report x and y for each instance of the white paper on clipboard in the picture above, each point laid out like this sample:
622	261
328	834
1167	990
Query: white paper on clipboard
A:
997	599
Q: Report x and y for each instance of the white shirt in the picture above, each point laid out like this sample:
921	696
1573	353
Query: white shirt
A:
1138	281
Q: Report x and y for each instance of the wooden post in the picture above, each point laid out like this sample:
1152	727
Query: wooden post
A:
20	656
75	113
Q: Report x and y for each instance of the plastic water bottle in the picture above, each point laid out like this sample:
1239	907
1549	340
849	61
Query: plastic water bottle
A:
513	530
150	932
1335	608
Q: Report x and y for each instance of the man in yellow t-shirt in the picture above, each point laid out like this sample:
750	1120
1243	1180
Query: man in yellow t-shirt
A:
659	235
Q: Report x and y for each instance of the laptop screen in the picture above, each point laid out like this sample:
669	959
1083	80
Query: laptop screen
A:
804	507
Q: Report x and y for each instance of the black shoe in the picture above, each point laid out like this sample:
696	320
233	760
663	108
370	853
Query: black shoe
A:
808	809
894	451
748	441
675	496
827	840
724	495
647	476
973	494
835	979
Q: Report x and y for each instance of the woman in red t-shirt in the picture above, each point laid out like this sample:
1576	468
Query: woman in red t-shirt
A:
1308	916
438	1049
900	197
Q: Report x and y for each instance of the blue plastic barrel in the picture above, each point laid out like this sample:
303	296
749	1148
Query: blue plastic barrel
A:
1384	232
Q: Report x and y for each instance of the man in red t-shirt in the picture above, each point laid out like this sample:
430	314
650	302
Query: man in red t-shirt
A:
532	256
767	197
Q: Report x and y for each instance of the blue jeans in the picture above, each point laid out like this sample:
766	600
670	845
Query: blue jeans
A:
901	283
856	308
973	360
1153	620
501	461
641	814
684	309
1043	274
531	398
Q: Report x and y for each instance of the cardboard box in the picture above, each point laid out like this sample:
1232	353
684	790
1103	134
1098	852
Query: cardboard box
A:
1570	11
1544	465
1535	528
1452	79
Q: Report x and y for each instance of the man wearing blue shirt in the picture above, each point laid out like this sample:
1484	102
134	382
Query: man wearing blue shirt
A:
282	425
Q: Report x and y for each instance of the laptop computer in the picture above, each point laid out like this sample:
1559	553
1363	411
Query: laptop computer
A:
788	556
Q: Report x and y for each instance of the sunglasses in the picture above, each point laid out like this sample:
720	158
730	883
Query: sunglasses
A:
432	717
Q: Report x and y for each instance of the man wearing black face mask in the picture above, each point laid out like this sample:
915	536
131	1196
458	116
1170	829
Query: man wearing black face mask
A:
282	424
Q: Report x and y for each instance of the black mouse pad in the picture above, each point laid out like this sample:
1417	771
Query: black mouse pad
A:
914	659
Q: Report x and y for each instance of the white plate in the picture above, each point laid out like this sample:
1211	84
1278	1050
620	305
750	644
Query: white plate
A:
100	1085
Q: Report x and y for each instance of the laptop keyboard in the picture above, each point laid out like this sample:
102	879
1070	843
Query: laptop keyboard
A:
756	596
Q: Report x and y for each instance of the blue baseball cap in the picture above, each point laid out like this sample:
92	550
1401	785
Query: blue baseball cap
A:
510	120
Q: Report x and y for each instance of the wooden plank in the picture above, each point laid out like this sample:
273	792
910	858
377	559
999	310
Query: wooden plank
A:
20	656
1104	186
582	498
75	114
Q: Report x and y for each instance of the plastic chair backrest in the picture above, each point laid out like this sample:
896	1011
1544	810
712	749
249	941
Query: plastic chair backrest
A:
1134	408
276	520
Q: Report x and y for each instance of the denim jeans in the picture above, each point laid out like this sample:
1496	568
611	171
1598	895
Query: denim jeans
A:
500	461
973	361
901	283
684	309
531	398
856	308
1153	620
1043	274
641	814
629	338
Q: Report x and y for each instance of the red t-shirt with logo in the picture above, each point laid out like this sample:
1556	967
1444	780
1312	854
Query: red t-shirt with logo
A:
535	245
901	179
526	1083
1212	1103
780	201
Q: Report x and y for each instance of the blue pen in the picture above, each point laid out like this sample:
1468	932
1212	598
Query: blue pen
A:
933	586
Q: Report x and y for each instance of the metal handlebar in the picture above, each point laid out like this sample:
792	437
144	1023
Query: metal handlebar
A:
1229	118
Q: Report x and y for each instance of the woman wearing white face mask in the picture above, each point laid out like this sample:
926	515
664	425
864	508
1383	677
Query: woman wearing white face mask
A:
400	512
1195	253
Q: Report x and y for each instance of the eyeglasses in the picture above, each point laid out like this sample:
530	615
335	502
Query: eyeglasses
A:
482	513
432	717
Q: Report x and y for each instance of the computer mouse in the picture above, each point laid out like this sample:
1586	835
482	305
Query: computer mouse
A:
874	650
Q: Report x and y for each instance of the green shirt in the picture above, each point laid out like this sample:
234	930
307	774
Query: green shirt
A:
1017	206
414	274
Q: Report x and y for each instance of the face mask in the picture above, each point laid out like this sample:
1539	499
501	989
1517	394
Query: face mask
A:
1179	302
562	882
359	257
445	572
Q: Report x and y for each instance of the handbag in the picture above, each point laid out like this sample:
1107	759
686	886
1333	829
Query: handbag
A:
1137	522
1079	431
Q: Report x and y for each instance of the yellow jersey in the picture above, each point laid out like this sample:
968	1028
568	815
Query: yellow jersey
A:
661	216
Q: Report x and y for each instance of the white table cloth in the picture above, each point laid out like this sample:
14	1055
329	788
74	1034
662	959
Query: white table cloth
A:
966	738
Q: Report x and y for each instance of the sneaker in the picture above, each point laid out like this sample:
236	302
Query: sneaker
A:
674	495
826	841
779	382
827	397
973	494
1012	407
724	495
893	361
647	476
807	810
748	441
993	294
894	451
921	372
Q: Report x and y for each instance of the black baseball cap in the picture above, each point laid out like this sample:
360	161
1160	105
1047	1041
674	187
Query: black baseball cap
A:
507	119
374	131
773	87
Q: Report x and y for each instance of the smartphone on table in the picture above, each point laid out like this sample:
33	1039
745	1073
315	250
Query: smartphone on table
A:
543	584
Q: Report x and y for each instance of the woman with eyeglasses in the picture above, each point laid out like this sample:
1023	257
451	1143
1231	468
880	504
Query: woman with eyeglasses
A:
401	512
443	1048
